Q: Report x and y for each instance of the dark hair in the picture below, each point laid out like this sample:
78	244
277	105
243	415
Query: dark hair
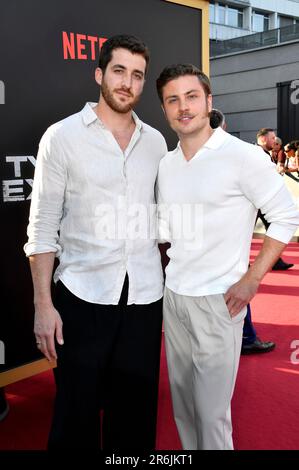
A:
217	118
291	145
124	41
180	70
263	131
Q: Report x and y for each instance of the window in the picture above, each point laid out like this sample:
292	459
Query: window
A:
260	22
229	16
285	21
212	13
221	14
235	17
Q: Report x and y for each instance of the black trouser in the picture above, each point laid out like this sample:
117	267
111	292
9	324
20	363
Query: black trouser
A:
110	361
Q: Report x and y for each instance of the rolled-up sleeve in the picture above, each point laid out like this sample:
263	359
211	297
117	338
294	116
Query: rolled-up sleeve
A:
282	215
265	188
47	197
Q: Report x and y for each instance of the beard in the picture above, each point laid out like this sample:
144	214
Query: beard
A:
115	105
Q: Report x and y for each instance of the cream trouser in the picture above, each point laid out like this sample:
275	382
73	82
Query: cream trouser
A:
203	345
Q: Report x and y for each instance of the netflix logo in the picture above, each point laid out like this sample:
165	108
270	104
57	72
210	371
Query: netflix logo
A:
81	46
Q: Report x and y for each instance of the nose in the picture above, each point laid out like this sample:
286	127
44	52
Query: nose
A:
183	105
127	80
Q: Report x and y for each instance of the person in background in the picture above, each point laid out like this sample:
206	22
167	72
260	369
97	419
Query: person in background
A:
251	343
265	138
292	162
278	155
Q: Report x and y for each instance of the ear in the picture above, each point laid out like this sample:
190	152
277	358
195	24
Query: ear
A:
163	109
98	76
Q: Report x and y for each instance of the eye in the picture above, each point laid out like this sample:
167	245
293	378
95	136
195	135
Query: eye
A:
138	76
192	97
171	100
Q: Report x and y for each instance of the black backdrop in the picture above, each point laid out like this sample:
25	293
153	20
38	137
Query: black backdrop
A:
40	86
288	110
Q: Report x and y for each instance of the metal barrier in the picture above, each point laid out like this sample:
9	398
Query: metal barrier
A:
254	41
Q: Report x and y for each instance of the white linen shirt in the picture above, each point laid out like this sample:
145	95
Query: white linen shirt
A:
83	178
228	180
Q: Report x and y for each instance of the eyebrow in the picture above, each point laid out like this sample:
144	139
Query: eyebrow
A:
187	93
119	66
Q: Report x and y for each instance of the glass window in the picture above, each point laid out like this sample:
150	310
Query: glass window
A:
212	13
235	17
240	19
260	22
266	23
221	14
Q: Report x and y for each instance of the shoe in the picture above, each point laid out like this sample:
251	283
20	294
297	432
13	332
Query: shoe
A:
257	347
4	407
280	265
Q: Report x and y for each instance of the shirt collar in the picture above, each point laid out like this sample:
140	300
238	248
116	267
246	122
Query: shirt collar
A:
89	116
214	142
216	139
138	121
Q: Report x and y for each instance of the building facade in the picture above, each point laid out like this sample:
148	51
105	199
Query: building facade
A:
247	85
255	65
235	18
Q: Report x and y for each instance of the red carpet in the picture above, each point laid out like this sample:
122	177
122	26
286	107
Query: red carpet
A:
266	400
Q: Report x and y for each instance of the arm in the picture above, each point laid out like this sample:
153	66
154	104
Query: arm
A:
280	162
281	157
47	321
240	294
262	185
295	168
43	241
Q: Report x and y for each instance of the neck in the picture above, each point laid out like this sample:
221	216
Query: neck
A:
114	121
191	144
265	148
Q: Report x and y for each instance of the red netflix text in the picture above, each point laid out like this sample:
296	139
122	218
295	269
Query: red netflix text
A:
81	46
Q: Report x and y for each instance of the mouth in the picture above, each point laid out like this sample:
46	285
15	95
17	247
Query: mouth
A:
124	93
185	118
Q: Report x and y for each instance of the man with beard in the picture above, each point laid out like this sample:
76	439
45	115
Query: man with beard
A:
212	184
104	326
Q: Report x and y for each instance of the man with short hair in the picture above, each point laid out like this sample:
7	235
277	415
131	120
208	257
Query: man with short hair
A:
212	183
217	119
265	137
93	170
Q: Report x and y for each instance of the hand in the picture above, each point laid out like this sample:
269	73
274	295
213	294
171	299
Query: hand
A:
240	294
47	322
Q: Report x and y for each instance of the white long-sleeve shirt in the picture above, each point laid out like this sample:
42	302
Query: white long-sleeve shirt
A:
208	208
85	192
